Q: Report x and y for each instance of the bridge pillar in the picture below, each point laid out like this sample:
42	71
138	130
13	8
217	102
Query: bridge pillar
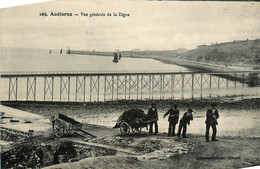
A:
48	87
31	88
65	87
81	87
13	85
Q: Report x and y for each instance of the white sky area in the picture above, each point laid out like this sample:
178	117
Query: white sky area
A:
150	26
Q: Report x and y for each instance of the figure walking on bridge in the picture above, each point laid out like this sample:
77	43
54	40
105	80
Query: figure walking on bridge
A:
211	120
153	116
173	119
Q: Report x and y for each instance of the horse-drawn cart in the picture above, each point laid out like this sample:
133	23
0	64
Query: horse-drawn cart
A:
66	125
133	119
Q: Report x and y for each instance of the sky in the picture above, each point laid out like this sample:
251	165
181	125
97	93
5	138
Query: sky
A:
150	25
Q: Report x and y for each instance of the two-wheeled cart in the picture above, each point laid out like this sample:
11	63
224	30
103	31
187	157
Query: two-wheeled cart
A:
64	125
133	119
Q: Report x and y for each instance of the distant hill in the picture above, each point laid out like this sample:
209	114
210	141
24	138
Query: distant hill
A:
237	52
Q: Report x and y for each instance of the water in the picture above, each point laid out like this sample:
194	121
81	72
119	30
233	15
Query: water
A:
106	88
28	60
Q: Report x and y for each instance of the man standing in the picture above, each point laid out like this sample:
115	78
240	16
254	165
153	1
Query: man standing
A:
187	117
173	119
153	116
211	120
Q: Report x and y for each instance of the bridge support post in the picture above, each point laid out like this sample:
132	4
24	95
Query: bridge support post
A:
201	83
161	86
243	75
210	80
31	87
182	86
172	86
218	81
105	87
192	86
65	87
48	87
13	88
125	86
235	83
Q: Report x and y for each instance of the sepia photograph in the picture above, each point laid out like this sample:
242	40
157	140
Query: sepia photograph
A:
130	84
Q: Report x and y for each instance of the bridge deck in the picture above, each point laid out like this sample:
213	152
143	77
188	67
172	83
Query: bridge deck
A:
113	73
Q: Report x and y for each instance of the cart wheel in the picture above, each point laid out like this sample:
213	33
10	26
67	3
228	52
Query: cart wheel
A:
136	130
58	128
124	128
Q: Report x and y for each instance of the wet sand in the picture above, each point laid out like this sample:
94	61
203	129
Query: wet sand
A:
238	133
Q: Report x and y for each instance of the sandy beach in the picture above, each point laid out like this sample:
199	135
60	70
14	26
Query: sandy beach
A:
238	134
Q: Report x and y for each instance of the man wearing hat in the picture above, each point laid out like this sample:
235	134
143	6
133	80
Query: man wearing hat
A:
186	118
211	120
153	116
173	119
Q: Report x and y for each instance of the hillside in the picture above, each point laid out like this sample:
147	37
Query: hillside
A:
237	52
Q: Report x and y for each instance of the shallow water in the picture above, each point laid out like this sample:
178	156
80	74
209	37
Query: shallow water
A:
39	60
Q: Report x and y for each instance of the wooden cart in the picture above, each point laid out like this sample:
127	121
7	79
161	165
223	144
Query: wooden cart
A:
132	119
69	126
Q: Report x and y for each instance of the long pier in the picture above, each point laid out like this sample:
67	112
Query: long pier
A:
90	86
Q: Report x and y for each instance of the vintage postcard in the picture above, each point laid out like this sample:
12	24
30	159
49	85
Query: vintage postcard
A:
130	84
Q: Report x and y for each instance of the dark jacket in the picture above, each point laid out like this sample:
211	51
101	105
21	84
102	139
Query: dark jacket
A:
186	118
212	116
173	115
152	114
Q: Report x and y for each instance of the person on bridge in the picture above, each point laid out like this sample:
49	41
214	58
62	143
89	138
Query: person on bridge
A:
186	118
173	119
211	120
153	116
